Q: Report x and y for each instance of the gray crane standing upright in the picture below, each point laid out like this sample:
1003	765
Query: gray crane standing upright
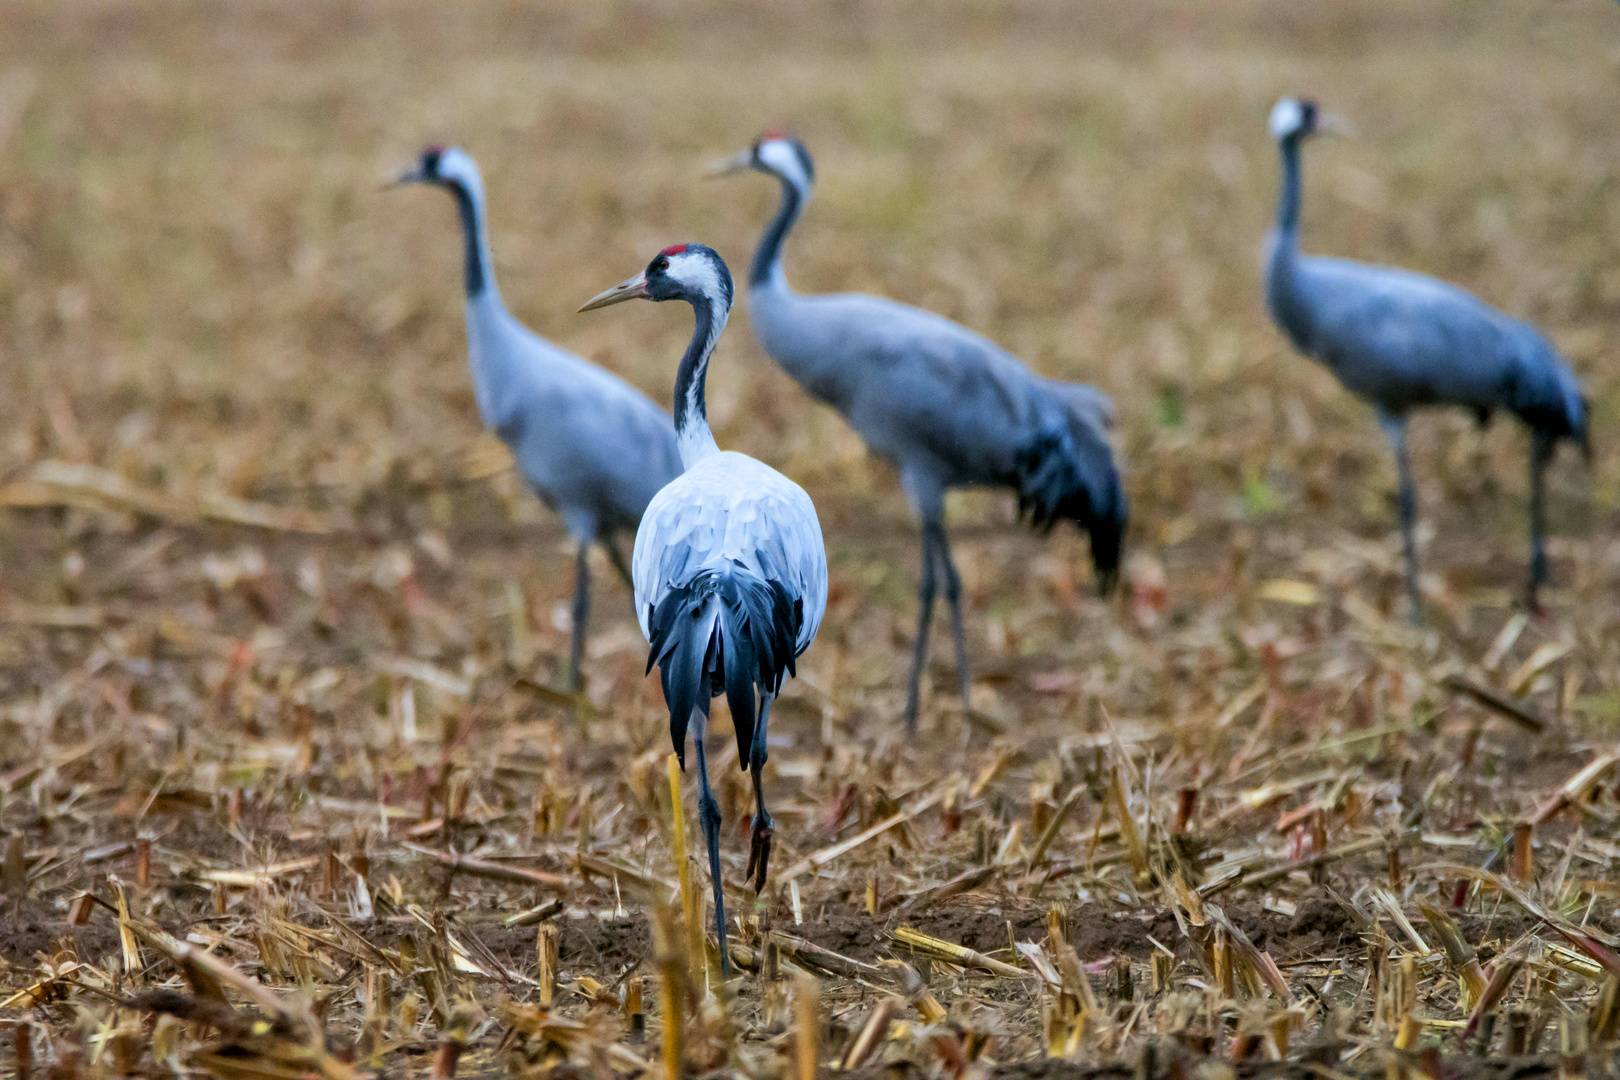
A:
946	407
1402	340
729	567
593	447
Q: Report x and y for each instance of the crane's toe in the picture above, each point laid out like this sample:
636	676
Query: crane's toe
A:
759	851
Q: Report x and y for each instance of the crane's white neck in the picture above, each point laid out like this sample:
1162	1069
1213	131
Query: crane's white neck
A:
692	435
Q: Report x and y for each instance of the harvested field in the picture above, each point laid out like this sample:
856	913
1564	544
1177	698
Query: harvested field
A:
289	787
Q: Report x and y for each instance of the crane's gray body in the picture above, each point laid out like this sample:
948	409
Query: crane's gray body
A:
1403	340
594	448
947	407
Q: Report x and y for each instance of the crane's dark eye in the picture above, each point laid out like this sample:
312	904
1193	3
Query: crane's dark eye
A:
661	264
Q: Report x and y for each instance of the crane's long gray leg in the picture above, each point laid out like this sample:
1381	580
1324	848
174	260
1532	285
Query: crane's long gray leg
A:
1542	449
925	618
1395	429
582	607
610	544
709	818
759	848
953	594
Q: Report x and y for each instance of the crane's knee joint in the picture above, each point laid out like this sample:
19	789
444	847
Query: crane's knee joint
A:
708	813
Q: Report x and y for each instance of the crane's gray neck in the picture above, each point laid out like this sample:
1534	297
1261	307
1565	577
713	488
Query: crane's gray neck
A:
480	266
767	265
1287	305
692	435
491	331
1288	201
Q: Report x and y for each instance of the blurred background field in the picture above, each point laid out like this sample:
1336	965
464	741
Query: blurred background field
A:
205	292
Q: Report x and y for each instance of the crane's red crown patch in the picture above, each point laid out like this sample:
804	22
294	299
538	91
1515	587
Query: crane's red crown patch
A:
673	249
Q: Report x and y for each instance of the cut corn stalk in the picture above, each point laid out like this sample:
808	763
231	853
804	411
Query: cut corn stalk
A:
907	938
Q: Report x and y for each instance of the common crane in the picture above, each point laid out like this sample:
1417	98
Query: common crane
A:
729	569
1401	340
945	406
593	447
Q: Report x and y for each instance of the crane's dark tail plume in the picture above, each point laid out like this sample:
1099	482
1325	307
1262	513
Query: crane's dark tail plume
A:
726	630
1060	480
1545	395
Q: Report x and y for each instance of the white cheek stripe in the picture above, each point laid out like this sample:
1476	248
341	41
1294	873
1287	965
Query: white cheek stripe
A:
695	272
1286	118
784	159
456	165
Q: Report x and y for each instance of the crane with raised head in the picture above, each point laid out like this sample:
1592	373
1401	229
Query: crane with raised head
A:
947	407
729	568
593	447
1401	340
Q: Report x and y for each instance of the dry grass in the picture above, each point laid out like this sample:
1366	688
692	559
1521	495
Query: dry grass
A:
255	749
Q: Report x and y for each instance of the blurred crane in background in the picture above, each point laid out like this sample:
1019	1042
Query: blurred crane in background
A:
946	407
730	572
593	447
1402	340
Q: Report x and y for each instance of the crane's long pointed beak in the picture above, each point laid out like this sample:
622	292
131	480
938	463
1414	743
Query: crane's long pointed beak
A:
634	289
1331	123
736	163
412	175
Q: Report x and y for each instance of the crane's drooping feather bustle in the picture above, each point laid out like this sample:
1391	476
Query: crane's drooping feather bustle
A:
726	630
1058	481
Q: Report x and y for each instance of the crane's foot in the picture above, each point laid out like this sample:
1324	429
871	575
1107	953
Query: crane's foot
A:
1537	610
759	850
1538	577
